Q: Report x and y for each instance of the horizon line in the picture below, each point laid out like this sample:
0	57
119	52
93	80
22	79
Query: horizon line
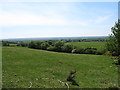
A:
52	37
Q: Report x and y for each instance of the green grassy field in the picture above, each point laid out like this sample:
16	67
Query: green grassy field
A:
32	68
98	45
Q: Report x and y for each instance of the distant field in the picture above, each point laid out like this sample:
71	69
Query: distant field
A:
98	45
31	68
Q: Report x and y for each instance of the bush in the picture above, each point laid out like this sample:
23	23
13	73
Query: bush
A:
22	44
51	48
5	43
115	54
100	52
67	48
84	51
90	50
51	42
35	44
58	46
78	50
44	45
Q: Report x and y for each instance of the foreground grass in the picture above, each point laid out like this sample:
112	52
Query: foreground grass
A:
99	45
31	68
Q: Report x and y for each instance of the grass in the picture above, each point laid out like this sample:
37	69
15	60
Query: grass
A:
13	45
32	68
98	45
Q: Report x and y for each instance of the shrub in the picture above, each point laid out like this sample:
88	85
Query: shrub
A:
51	42
90	50
67	48
35	44
58	46
115	54
51	48
22	44
5	43
100	52
44	45
78	50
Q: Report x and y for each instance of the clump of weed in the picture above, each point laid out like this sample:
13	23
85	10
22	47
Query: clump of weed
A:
71	78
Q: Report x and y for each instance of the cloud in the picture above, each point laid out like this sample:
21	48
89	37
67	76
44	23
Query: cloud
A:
22	18
18	19
19	14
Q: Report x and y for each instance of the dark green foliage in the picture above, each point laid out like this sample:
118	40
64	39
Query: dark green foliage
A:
113	43
23	44
99	52
35	44
44	45
51	42
67	48
78	50
32	44
71	78
58	46
5	43
51	48
90	50
47	45
115	54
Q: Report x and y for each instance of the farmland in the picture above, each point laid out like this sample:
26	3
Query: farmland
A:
33	68
98	45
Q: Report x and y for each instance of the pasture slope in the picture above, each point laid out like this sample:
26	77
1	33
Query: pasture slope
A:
99	45
32	68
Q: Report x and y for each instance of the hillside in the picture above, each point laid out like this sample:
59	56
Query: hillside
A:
32	68
99	45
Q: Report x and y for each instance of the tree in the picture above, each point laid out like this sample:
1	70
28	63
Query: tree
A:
58	46
5	43
51	48
114	40
116	32
90	50
35	44
51	42
78	50
22	44
67	48
44	45
113	44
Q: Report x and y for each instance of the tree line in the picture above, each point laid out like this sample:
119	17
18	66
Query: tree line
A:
57	46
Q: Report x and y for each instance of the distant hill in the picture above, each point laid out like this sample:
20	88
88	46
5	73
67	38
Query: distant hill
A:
55	38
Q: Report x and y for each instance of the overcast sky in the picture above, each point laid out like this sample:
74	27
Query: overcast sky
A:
57	19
